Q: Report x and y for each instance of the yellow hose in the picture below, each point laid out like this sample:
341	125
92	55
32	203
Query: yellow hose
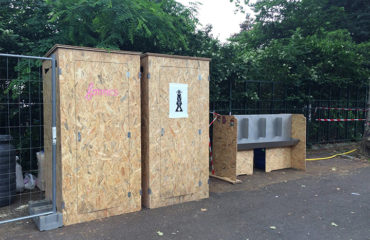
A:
339	154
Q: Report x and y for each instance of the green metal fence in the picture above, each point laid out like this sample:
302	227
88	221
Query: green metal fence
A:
263	97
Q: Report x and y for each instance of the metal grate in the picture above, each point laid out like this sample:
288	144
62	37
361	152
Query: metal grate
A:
265	97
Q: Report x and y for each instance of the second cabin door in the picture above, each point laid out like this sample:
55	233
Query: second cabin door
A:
180	138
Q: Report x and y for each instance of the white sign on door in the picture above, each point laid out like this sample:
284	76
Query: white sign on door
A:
178	100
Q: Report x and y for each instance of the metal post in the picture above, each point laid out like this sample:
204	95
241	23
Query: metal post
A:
259	98
54	130
347	115
285	97
246	100
230	96
357	112
272	98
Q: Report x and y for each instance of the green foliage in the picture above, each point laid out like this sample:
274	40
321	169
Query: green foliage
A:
324	57
33	26
123	24
24	27
305	43
299	43
239	4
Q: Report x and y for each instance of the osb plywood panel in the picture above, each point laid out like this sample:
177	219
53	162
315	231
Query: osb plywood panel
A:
180	141
299	150
104	160
225	146
203	126
244	162
176	159
103	146
278	158
144	132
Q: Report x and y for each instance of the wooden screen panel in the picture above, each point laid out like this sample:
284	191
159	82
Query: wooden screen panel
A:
225	146
278	158
299	150
244	162
102	127
179	145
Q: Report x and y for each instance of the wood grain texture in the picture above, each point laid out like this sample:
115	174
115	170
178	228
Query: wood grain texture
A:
299	150
244	162
176	56
175	160
144	131
100	174
278	158
225	146
46	76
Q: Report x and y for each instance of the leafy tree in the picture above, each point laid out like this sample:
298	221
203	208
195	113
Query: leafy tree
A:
25	27
357	19
304	43
315	49
140	25
31	27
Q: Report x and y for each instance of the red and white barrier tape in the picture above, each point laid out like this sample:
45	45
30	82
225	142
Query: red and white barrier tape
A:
215	118
212	121
210	147
344	109
339	120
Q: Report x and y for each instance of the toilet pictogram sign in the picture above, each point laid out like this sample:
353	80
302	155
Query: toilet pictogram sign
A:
178	100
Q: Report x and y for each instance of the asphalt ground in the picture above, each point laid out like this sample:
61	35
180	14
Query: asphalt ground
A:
331	200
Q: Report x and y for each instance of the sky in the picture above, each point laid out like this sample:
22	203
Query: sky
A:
220	14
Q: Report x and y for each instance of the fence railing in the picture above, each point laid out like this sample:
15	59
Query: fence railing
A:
273	98
21	118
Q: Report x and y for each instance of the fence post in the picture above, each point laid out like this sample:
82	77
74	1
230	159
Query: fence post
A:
230	96
272	98
366	137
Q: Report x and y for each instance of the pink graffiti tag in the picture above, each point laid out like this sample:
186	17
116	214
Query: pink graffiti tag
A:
100	92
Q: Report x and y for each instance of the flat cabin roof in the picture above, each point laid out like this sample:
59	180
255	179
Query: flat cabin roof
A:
56	46
175	56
